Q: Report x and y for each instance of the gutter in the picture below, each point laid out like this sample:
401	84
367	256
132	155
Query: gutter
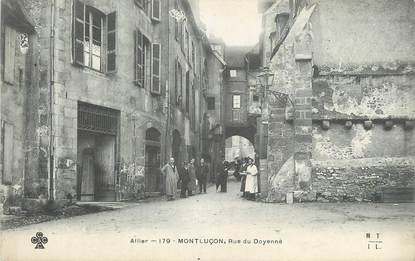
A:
51	101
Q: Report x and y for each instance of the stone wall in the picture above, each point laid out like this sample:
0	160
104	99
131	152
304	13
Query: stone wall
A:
361	179
352	134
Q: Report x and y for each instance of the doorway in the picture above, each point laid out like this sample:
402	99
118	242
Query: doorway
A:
153	178
97	152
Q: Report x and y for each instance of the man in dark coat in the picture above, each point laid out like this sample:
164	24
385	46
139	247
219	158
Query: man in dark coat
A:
202	174
222	178
184	179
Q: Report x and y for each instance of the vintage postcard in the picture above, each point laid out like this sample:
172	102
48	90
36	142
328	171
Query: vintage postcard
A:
207	130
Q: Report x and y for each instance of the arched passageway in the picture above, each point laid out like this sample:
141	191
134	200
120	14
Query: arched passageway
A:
238	147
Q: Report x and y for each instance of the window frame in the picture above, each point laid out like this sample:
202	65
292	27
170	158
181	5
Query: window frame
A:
79	22
210	101
158	17
153	75
236	103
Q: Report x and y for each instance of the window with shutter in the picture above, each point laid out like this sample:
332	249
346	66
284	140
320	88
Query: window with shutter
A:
155	86
155	4
92	31
9	54
111	42
139	59
78	32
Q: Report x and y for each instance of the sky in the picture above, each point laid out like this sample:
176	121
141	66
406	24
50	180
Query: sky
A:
237	22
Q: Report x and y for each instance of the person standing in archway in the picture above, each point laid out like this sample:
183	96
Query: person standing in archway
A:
242	172
192	175
202	174
171	174
251	186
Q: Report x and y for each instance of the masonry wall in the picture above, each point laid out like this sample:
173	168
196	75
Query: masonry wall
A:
354	109
24	106
377	32
139	109
371	158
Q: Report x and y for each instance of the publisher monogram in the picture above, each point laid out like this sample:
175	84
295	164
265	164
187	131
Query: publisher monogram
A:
39	240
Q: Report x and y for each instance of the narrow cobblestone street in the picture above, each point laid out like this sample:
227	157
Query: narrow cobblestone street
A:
215	216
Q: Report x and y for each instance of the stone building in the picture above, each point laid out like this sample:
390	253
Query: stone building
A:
103	93
348	68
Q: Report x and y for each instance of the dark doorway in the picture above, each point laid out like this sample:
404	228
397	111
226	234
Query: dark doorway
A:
97	140
153	180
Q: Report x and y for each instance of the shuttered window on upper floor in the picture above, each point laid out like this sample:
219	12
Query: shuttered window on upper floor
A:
155	83
94	38
9	54
155	7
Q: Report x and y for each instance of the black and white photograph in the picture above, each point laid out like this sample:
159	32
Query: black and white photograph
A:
204	130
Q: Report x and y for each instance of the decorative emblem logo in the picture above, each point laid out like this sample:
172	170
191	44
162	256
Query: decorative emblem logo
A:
39	240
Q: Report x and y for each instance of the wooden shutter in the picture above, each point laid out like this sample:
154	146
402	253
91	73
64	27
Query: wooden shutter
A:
139	59
176	23
155	83
111	42
78	32
155	4
9	54
8	153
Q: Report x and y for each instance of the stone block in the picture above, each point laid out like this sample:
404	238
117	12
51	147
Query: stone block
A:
409	125
325	124
348	125
368	124
388	124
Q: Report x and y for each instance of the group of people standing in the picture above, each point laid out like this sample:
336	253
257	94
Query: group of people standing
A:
247	172
192	176
189	177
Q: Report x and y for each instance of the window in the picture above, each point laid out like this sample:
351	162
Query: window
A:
90	29
281	21
155	10
236	101
94	23
232	73
155	84
9	54
211	103
144	5
255	98
142	60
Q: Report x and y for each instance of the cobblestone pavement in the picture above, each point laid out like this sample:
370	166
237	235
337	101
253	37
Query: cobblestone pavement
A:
309	231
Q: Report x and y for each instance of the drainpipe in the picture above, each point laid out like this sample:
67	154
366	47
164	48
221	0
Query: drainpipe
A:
168	97
51	101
